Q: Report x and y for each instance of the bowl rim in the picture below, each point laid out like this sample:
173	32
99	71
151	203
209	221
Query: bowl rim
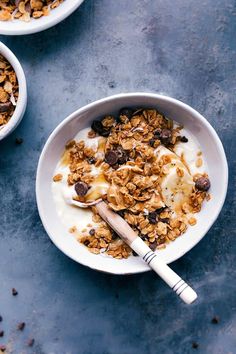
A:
22	98
142	95
49	21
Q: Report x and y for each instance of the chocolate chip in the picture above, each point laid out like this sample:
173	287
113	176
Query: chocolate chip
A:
4	107
86	243
183	139
203	184
195	345
14	292
81	188
30	342
126	112
215	320
122	155
18	141
166	136
153	245
28	7
99	128
21	326
152	142
165	220
1	333
92	232
0	318
152	217
157	133
160	210
91	160
111	157
3	348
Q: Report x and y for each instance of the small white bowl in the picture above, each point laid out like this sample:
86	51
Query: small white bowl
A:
22	98
213	153
18	27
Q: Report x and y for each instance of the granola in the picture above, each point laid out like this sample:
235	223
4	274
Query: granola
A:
26	9
9	91
136	163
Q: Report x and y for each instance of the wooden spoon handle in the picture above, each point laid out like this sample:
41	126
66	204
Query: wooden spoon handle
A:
122	228
117	223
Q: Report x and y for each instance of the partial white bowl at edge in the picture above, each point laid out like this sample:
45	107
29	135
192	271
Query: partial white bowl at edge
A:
22	98
211	147
18	27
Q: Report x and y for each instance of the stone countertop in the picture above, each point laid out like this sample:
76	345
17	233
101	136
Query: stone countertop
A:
185	49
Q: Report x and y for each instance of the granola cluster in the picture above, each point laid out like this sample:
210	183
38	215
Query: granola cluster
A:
126	157
9	91
25	9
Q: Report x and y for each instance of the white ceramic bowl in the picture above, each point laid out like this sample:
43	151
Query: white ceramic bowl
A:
193	121
18	27
22	98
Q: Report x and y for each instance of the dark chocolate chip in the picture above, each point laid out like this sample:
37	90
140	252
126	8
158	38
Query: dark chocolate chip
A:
111	157
165	220
30	342
215	320
122	155
183	139
92	232
86	243
1	333
203	184
153	245
152	217
195	345
4	107
157	133
91	160
81	188
166	136
160	210
14	292
152	142
3	348
126	112
143	237
99	128
21	326
18	141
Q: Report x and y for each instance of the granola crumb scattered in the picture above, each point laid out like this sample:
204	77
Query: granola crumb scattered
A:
72	229
195	345
19	141
30	342
192	221
14	292
21	326
199	162
58	177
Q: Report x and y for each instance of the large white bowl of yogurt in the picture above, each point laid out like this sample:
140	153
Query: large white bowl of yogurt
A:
58	215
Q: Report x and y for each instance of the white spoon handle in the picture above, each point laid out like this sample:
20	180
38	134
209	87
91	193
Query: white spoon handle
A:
182	289
127	234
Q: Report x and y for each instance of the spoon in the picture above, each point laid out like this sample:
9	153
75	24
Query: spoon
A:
127	234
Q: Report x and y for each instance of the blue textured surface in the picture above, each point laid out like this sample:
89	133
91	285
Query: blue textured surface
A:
183	48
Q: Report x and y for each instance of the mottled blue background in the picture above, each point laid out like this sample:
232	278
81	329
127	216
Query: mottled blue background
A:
182	48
